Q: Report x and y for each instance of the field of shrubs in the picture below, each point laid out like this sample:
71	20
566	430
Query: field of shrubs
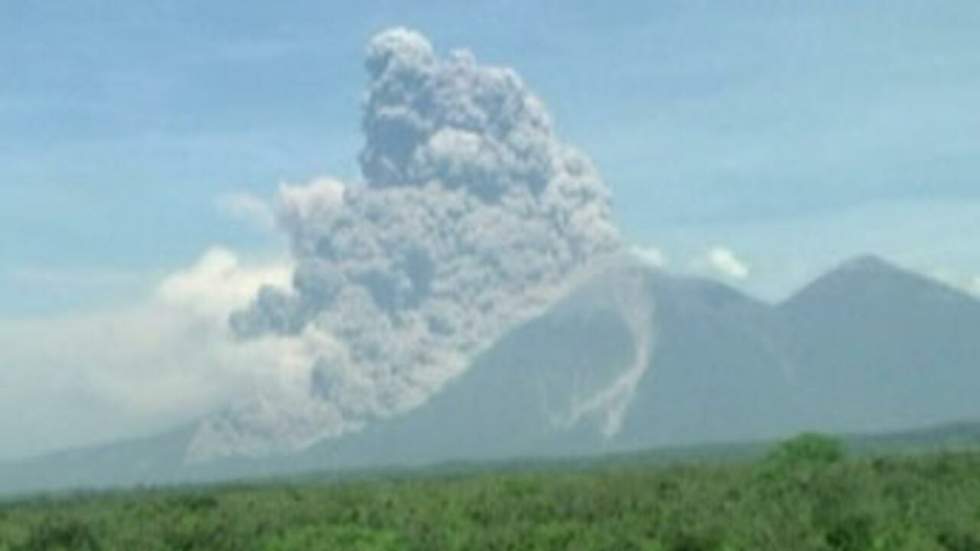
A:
805	494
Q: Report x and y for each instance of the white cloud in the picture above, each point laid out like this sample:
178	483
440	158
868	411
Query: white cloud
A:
218	283
956	279
651	256
248	208
789	252
724	262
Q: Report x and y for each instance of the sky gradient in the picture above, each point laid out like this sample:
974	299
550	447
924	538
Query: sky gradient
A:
122	124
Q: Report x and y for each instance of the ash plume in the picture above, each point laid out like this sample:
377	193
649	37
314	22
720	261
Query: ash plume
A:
471	217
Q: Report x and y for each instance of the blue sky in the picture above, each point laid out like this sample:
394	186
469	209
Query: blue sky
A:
795	134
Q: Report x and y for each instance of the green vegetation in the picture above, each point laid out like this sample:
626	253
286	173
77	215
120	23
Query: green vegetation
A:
803	495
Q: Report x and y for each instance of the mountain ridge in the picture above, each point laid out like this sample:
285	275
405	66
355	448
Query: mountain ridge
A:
639	358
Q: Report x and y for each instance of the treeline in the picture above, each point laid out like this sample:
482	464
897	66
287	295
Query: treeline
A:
804	495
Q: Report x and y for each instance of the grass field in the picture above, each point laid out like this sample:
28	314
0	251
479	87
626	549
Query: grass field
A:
804	494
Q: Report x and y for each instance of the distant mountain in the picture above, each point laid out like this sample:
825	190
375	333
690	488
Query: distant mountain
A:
880	348
638	358
153	460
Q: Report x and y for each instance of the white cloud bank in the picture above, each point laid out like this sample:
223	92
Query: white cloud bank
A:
166	360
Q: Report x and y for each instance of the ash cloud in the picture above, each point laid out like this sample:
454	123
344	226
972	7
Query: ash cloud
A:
472	217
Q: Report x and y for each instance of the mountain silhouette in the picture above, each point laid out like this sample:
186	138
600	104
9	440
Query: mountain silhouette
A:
637	358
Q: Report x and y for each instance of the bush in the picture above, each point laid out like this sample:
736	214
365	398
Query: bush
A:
810	448
57	534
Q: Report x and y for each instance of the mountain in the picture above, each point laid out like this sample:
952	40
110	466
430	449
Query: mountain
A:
568	382
150	460
879	348
718	373
637	358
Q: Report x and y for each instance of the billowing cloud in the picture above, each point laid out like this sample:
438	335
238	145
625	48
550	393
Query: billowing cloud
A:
724	262
166	359
218	283
472	217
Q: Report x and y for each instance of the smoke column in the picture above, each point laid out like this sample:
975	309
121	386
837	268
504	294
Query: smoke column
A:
471	217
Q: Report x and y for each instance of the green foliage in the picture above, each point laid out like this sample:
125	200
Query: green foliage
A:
809	449
804	495
57	534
